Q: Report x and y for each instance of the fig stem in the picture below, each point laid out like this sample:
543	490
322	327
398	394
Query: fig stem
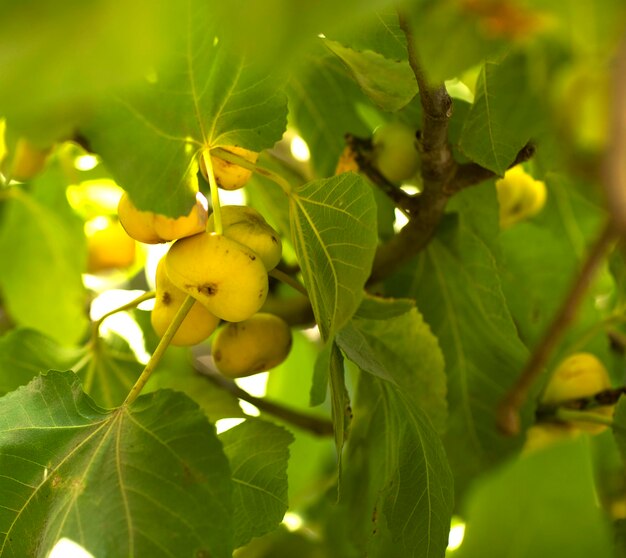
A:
215	196
568	415
160	350
288	280
132	304
238	160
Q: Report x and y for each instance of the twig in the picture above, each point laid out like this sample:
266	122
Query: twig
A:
362	149
508	419
566	415
288	280
470	174
614	167
316	425
437	162
601	399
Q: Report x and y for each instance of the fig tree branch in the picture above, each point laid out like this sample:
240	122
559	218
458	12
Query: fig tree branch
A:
316	425
508	418
615	160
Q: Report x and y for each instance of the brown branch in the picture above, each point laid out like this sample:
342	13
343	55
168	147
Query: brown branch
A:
470	174
508	419
437	162
615	160
316	425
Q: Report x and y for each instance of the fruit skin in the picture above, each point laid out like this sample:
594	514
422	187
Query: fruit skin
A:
260	343
230	176
28	160
579	375
248	227
197	325
395	151
228	278
152	228
519	196
110	248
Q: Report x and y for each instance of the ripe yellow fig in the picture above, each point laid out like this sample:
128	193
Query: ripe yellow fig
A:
519	196
228	278
152	228
347	161
248	227
395	151
254	345
28	160
109	247
579	375
197	325
231	176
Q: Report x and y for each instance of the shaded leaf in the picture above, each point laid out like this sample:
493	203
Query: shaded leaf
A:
503	116
110	480
109	371
258	453
456	284
339	398
63	66
397	485
25	353
390	84
323	108
401	350
333	226
208	96
543	504
42	254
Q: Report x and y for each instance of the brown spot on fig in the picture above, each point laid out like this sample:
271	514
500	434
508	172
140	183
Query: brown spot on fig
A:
208	289
274	239
217	355
166	298
252	257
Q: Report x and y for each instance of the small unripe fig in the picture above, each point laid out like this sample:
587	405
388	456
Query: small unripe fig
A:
395	151
254	345
519	196
579	375
197	325
230	176
152	228
248	227
228	278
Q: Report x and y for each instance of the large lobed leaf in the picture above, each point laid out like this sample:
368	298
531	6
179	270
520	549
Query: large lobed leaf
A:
390	84
397	490
456	284
258	453
150	479
503	116
207	96
402	350
333	226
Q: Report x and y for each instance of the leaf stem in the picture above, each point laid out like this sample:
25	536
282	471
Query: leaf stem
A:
568	415
288	280
215	196
238	160
132	304
160	350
